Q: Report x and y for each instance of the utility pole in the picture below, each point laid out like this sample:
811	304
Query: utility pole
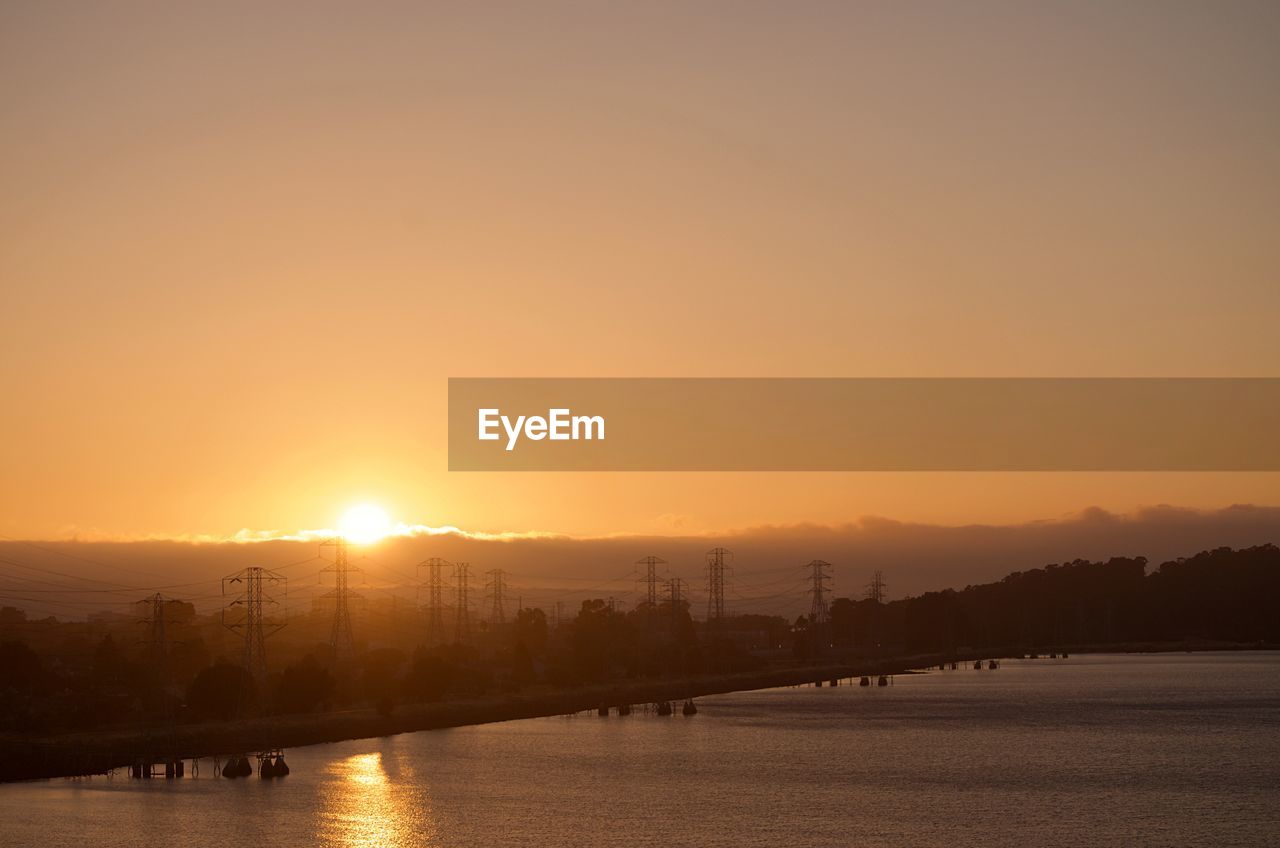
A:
462	618
496	587
435	598
717	559
341	638
250	617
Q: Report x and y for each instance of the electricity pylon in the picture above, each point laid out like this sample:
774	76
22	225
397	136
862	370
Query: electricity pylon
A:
650	579
675	593
250	616
875	592
717	567
496	587
157	641
818	611
462	618
875	589
342	639
435	598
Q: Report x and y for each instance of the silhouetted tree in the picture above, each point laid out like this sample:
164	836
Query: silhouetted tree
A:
530	628
303	687
380	676
430	677
602	641
20	667
220	691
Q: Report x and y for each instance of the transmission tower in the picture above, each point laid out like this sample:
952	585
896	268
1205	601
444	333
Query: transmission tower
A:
717	566
675	595
818	612
650	578
875	589
435	598
875	592
462	618
250	616
341	638
157	641
496	588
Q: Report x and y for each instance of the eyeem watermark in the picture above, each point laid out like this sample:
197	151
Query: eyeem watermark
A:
559	425
864	424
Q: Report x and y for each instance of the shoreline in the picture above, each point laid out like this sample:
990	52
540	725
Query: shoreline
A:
98	752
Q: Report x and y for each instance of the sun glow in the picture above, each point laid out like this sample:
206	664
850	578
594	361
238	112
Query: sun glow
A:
364	524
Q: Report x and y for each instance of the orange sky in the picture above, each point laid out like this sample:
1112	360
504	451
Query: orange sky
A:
241	249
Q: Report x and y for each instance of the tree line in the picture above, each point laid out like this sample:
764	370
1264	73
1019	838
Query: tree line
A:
65	675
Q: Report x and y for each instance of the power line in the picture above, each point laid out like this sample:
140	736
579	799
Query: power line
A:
80	558
116	586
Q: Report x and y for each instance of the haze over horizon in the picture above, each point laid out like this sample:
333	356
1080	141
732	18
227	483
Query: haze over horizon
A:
73	579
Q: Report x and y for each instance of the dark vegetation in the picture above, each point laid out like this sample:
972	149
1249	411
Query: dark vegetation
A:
1222	595
60	676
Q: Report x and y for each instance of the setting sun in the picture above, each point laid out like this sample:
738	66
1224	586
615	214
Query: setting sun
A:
364	523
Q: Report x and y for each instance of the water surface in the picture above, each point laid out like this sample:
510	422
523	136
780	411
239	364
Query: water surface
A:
1170	749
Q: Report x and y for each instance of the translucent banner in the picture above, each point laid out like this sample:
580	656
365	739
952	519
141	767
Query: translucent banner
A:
857	424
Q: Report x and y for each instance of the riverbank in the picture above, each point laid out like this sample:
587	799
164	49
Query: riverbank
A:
69	755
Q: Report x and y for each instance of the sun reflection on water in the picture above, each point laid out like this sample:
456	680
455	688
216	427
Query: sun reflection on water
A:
364	807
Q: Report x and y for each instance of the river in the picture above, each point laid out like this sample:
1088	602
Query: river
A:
1164	749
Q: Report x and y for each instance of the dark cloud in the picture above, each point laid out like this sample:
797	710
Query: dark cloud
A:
914	557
